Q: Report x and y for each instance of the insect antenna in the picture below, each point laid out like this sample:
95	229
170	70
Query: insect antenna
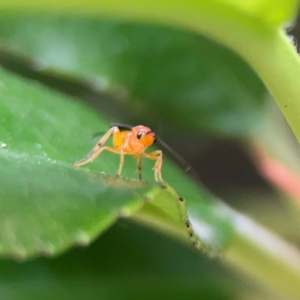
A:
181	161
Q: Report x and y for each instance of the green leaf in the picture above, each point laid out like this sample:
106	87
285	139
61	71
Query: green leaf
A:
48	205
165	74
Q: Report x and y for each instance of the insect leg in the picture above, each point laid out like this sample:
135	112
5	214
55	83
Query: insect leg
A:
110	149
139	167
158	156
121	163
98	148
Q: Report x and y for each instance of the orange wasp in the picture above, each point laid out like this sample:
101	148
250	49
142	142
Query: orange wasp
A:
131	140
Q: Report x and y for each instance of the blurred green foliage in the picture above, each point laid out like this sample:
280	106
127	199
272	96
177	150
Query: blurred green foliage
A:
163	76
154	75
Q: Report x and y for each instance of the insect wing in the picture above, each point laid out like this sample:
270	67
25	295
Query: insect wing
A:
122	127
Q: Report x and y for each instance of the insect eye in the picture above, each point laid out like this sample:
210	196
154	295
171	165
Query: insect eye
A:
139	135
